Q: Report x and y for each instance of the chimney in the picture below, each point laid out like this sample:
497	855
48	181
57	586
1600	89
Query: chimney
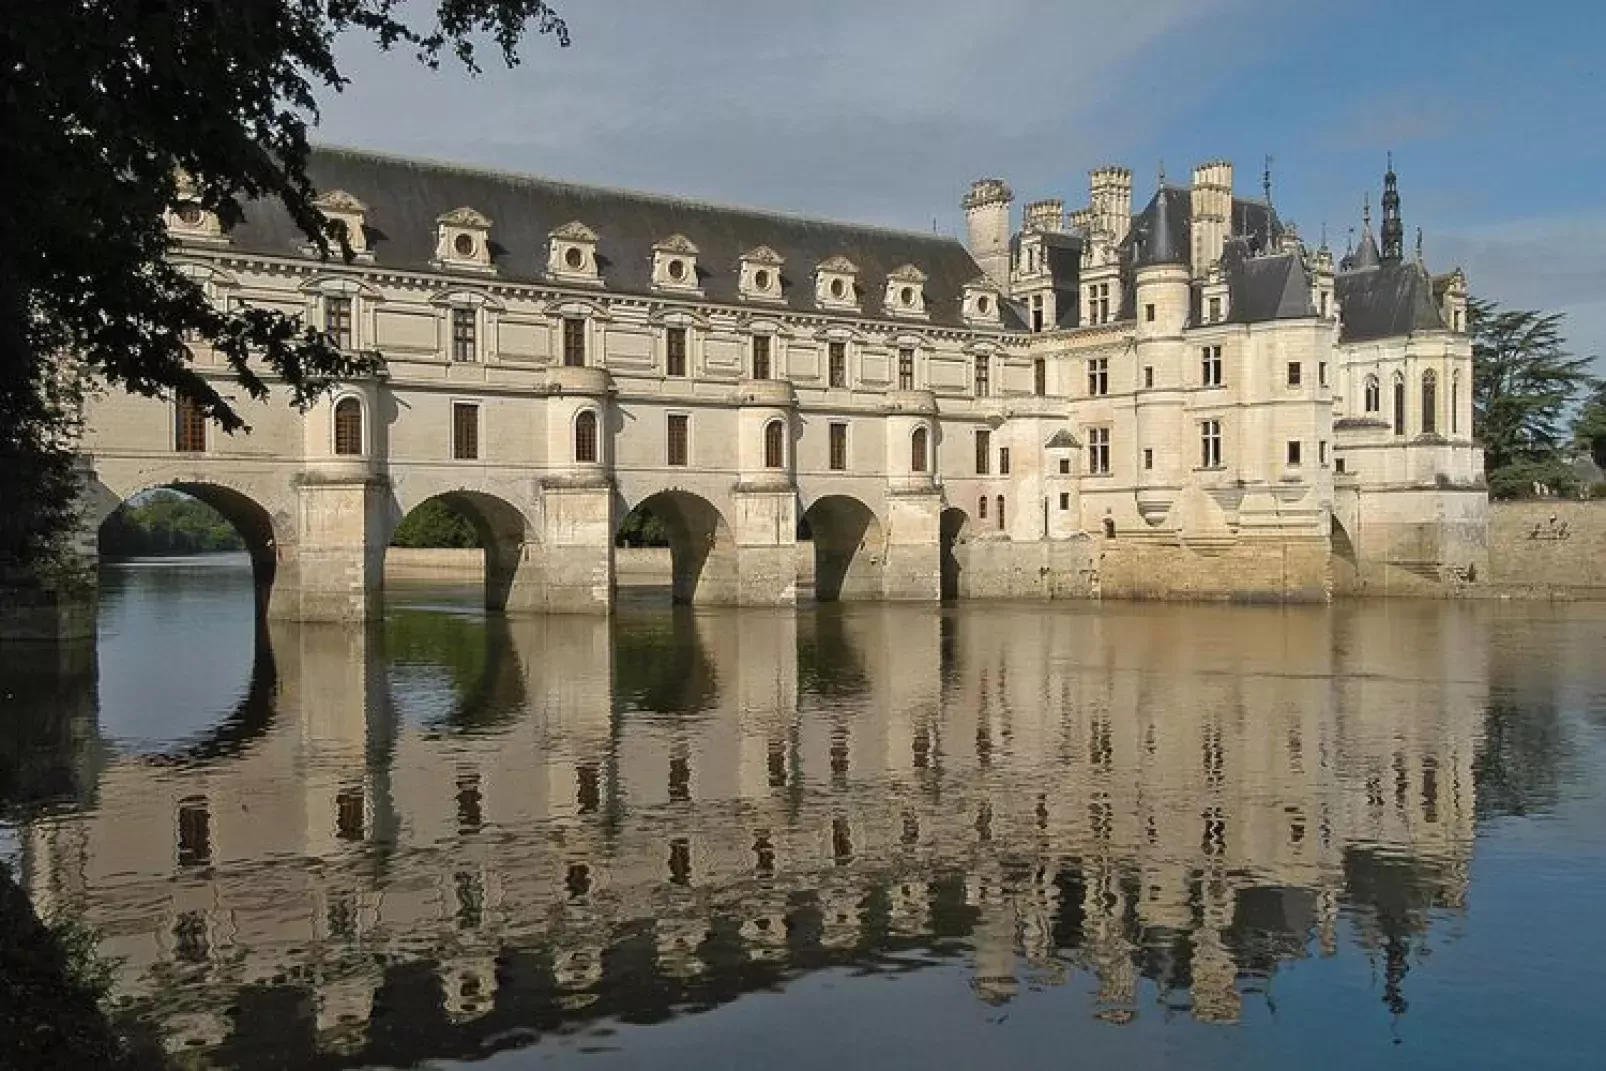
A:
1211	211
987	208
1111	195
1046	215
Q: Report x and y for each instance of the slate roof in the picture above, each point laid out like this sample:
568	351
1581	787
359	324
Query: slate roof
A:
404	198
1395	298
1265	288
1161	235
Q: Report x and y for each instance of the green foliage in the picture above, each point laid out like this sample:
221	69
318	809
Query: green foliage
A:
435	524
1523	380
118	111
642	528
1589	427
167	523
1518	479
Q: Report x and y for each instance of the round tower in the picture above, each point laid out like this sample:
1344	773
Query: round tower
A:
1163	299
987	208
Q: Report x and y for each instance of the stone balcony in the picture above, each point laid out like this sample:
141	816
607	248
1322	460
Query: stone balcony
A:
919	402
572	379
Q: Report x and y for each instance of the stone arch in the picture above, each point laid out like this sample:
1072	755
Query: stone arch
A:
952	530
244	512
502	529
1344	561
702	550
849	548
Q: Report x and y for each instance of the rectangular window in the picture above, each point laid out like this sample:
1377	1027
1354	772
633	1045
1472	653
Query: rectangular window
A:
1148	458
1210	444
1340	466
837	370
337	321
1321	451
675	351
839	447
189	427
462	334
1098	451
1065	466
1098	376
678	429
984	377
906	368
1210	366
1321	374
1037	312
1215	310
1324	304
984	452
1039	377
1295	448
761	356
574	342
1003	461
1295	374
194	833
1065	500
1148	375
465	431
1148	313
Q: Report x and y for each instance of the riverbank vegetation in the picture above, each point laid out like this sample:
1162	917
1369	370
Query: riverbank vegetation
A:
167	523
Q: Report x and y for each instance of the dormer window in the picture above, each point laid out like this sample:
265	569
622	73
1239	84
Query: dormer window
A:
463	241
836	284
572	254
190	222
981	302
761	275
347	215
906	292
674	265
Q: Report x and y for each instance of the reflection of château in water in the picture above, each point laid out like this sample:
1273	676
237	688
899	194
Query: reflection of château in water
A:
522	823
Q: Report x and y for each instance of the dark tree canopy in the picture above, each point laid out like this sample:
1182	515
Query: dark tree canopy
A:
1523	381
111	113
1589	430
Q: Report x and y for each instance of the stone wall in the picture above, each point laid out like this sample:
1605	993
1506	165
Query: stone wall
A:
1247	571
1532	555
1043	569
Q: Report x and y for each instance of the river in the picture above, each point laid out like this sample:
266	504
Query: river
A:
980	835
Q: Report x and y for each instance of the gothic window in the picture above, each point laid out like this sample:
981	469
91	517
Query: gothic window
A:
1374	395
678	431
337	321
984	451
1455	403
348	427
1039	377
585	437
837	364
1399	404
761	356
839	447
189	427
981	508
574	342
1098	451
906	368
917	449
462	334
465	431
1210	444
675	351
1430	402
983	377
774	445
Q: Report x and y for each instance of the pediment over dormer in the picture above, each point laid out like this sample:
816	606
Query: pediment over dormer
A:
760	275
574	231
674	265
836	284
351	215
189	221
463	240
465	217
906	292
676	243
982	302
572	254
839	264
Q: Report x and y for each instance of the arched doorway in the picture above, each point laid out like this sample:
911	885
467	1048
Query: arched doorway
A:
953	529
849	548
702	560
452	525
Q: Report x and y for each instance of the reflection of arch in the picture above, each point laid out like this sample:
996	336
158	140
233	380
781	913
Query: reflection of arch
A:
502	531
661	665
248	517
248	721
488	681
697	532
953	526
848	547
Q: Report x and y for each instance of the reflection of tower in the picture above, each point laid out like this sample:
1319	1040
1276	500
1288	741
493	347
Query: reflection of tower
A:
468	982
994	941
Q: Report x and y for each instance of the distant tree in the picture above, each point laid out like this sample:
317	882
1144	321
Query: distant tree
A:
1589	428
1523	380
642	528
113	112
164	523
435	524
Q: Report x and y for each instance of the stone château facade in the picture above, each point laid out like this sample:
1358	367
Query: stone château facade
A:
1178	401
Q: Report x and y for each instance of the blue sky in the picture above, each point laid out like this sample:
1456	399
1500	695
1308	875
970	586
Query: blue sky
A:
884	112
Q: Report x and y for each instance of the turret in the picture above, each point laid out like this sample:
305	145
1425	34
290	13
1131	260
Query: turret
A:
987	208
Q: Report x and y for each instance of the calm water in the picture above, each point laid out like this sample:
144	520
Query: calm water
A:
981	836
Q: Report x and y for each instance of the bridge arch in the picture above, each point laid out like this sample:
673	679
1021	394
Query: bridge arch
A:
260	529
501	530
849	548
702	550
953	529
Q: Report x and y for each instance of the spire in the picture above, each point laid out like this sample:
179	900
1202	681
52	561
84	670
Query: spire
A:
1366	256
1393	226
1265	181
1160	243
1419	258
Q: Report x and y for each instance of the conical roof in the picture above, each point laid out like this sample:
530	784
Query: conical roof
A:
1163	240
1366	254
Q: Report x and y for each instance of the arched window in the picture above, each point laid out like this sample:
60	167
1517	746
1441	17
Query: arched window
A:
1374	395
1399	404
1430	402
1455	403
981	507
774	445
585	437
348	427
917	450
1000	513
